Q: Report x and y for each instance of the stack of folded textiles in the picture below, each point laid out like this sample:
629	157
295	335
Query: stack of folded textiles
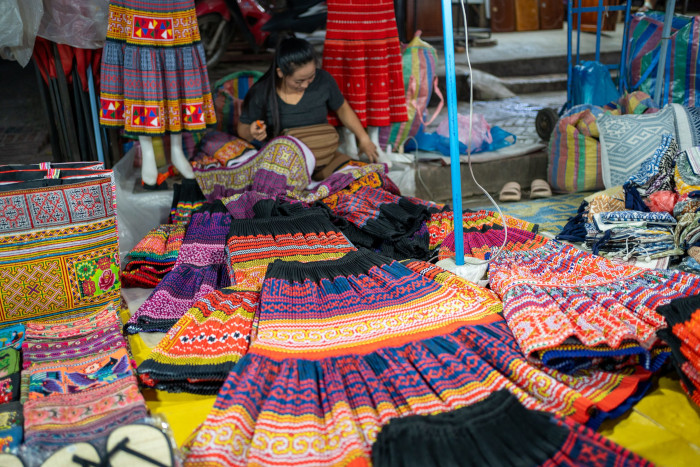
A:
683	336
78	382
11	420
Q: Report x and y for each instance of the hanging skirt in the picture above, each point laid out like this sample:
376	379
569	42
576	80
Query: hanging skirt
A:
199	269
154	77
198	352
683	336
497	431
568	308
362	52
344	346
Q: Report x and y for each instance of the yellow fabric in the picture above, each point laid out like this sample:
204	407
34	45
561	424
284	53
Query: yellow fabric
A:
663	427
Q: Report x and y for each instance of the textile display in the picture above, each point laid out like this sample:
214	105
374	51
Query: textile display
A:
187	198
12	336
215	333
346	345
362	52
656	173
683	335
495	431
229	93
221	150
9	361
10	388
200	268
628	140
607	317
685	177
153	78
153	256
55	270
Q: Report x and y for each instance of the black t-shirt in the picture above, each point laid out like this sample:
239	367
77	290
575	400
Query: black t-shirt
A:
321	96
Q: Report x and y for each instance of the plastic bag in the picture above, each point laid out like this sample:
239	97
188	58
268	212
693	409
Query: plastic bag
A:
592	84
80	24
500	138
19	23
481	131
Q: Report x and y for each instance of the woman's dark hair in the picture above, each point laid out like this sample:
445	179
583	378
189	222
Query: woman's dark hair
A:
291	53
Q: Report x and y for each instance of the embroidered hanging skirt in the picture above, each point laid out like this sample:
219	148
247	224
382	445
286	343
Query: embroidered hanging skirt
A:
198	352
154	76
362	52
345	345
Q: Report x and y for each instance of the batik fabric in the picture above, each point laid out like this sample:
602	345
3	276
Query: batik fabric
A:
154	77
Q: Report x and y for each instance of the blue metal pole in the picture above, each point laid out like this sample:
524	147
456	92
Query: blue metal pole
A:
451	83
660	71
95	119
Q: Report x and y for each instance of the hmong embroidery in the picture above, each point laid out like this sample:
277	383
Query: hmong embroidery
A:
34	208
173	28
45	272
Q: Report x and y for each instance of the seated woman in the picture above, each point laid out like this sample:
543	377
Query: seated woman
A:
294	95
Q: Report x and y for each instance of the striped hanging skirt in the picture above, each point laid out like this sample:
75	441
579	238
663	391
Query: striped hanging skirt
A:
346	345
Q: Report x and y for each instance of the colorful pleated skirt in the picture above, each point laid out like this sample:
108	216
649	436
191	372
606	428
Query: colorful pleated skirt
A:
346	345
200	268
496	431
154	76
198	352
568	308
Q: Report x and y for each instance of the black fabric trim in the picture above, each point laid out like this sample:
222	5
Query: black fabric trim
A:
353	263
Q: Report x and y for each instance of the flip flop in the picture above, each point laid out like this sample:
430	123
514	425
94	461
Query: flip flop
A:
139	445
510	192
10	460
540	189
74	455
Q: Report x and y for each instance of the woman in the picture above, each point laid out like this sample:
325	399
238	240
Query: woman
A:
294	93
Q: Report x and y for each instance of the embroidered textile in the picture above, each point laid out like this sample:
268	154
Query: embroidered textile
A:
57	204
187	198
11	425
154	256
554	295
656	173
200	268
57	270
154	76
12	336
494	431
683	335
346	345
216	332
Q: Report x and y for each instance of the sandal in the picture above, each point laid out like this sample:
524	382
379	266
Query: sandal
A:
510	192
10	460
139	445
540	189
74	455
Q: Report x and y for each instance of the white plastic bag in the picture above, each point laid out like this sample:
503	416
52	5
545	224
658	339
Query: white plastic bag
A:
80	24
19	23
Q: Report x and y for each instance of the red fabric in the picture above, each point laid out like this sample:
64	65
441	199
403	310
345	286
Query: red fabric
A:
362	52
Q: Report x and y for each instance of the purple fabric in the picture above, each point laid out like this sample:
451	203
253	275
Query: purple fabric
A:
200	268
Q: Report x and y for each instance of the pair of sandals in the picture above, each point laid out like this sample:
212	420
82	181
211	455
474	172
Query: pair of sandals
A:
135	445
511	191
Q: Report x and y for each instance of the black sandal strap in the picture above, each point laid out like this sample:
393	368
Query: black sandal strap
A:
122	445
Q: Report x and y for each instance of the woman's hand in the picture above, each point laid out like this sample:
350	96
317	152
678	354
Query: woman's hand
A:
365	145
258	130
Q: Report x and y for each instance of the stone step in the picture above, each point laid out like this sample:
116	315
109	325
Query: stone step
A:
535	83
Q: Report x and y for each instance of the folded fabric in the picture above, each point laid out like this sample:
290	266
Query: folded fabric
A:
11	426
628	140
187	198
12	336
10	388
154	256
9	361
